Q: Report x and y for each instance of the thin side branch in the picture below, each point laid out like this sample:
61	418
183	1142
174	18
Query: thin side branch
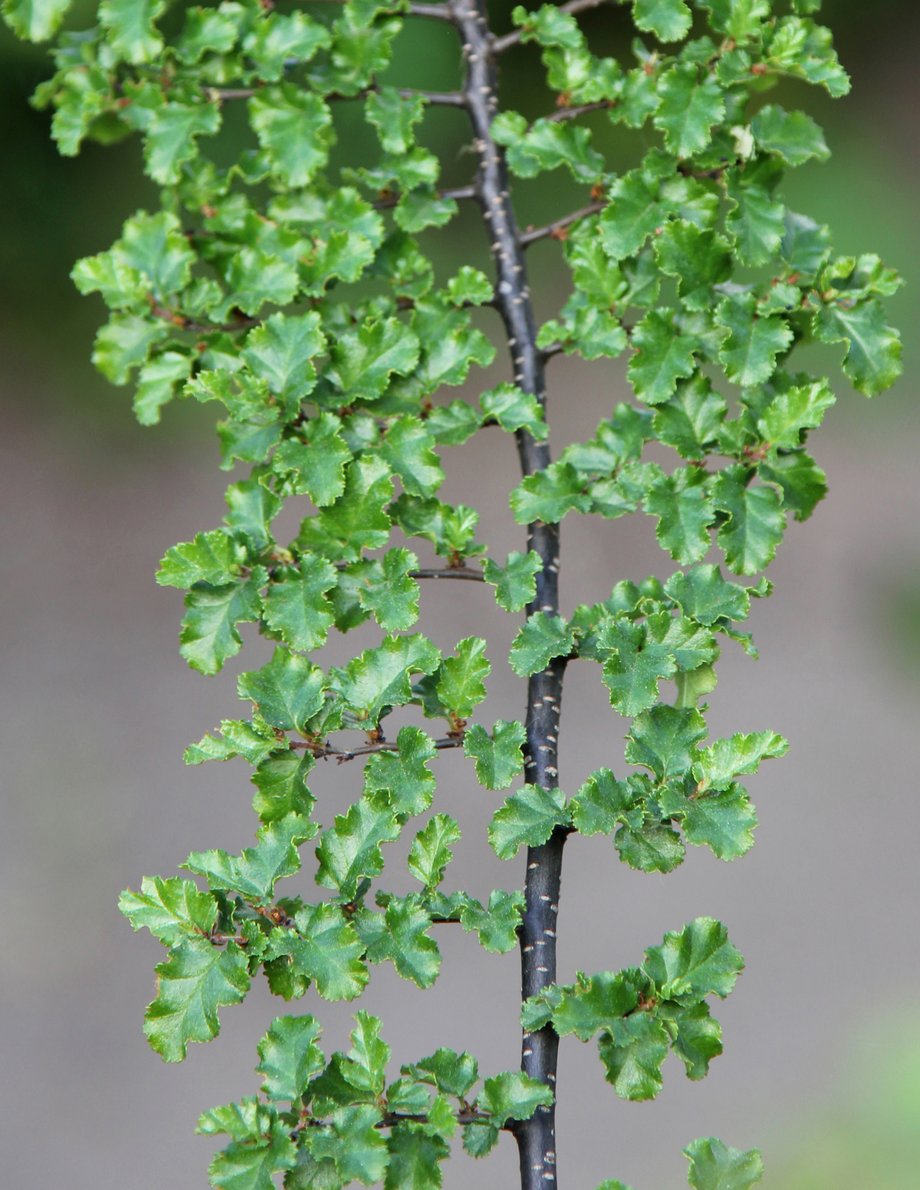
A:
461	572
558	226
500	44
434	98
583	109
328	752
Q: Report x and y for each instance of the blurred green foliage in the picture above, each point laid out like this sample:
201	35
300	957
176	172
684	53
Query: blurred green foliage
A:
866	1136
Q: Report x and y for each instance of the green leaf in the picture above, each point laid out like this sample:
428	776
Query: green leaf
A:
461	679
452	1073
358	519
514	409
171	909
323	948
636	657
549	494
399	935
685	513
663	356
192	984
469	287
293	127
695	1036
408	447
260	1146
296	606
280	352
527	818
757	223
213	558
669	20
253	874
633	213
515	583
238	737
718	764
803	483
715	1166
695	962
315	467
706	596
381	678
157	384
289	1057
755	524
632	1053
498	756
414	1159
601	804
387	590
431	850
689	108
350	850
252	509
664	740
699	259
170	132
362	361
653	848
35	20
209	634
497	923
797	409
355	1144
287	692
131	34
394	116
512	1096
541	638
690	420
401	780
281	789
723	822
804	50
594	1004
751	344
794	136
873	358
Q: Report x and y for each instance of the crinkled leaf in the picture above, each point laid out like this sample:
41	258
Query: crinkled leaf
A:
170	909
715	1166
664	740
209	634
689	107
380	678
669	20
431	850
253	873
755	525
400	779
632	1052
192	984
350	850
289	1056
287	692
873	358
549	494
498	756
296	606
512	1096
694	962
541	638
527	818
663	356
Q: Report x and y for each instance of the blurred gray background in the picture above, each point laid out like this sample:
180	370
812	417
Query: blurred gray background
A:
822	1035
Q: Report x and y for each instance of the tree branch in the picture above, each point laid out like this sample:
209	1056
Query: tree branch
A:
434	98
572	113
498	45
328	752
536	1136
559	225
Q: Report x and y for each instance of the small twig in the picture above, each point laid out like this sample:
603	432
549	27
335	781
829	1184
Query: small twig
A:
462	572
500	44
434	98
558	225
553	349
572	113
327	751
456	193
437	12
